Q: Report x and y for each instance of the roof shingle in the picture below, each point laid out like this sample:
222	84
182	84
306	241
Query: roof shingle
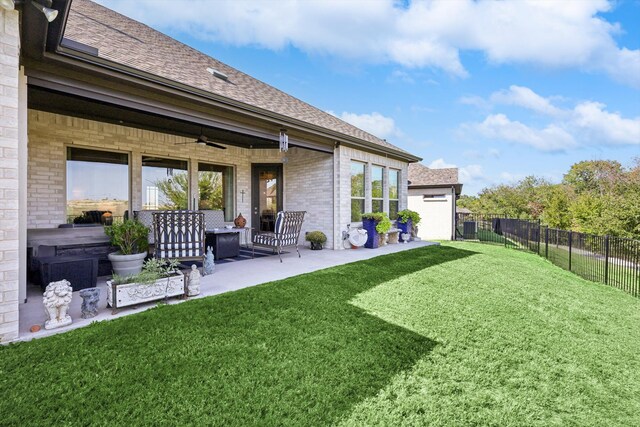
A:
133	44
420	175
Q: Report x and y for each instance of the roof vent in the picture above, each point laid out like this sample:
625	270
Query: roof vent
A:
218	74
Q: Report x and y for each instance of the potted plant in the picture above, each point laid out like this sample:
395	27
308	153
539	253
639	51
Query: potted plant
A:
407	220
376	224
317	239
158	279
131	237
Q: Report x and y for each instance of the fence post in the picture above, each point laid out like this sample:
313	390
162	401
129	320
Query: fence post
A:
539	236
570	241
546	242
606	259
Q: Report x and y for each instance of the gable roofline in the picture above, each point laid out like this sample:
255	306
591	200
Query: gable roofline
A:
67	56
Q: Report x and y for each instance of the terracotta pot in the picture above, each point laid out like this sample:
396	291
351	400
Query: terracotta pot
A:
240	221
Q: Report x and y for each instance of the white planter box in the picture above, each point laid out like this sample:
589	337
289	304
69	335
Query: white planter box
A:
119	296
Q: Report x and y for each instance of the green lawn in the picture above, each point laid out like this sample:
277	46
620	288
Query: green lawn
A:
462	334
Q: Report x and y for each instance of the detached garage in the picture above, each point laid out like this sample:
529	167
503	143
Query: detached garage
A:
433	194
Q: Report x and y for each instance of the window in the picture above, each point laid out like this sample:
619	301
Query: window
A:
97	185
357	191
394	178
215	188
427	197
165	183
377	188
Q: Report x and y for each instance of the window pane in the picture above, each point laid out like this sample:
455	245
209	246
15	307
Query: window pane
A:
376	205
165	183
393	209
97	183
357	209
376	182
393	184
215	187
357	179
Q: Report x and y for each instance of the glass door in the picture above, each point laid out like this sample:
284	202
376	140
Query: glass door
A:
266	191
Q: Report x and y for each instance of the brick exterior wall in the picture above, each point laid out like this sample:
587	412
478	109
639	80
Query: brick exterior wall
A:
308	183
9	244
308	178
343	158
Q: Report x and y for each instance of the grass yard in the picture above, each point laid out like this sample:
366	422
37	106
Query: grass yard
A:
462	334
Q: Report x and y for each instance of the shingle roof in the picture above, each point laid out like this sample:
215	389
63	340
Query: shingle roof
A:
133	44
420	175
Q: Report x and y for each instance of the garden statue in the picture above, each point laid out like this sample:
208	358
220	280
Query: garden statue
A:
193	287
209	265
406	237
56	299
90	299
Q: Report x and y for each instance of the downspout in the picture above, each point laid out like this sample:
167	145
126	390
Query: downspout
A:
453	212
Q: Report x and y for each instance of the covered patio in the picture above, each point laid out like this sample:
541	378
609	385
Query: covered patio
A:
115	118
228	277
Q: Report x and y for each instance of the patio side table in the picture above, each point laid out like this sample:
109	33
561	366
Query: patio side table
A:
224	241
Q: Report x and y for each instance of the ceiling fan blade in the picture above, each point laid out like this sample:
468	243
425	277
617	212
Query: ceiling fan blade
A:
214	145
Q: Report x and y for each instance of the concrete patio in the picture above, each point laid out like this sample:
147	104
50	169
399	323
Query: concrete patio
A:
229	276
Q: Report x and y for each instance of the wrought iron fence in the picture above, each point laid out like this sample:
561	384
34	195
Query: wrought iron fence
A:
614	261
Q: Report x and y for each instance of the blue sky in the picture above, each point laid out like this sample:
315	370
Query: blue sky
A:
501	90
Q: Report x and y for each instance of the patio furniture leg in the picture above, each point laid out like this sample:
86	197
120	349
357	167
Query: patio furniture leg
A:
253	251
298	250
279	255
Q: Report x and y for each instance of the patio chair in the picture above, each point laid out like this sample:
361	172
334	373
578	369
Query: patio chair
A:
286	233
179	235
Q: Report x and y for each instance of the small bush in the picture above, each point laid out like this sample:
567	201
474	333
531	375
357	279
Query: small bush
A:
317	237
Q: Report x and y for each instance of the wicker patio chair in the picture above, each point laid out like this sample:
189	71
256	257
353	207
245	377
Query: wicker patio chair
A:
286	233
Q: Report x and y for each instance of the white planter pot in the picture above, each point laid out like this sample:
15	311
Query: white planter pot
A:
119	296
127	265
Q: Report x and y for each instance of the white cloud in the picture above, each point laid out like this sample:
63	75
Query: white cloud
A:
601	125
587	122
374	123
550	138
525	97
424	34
470	173
440	164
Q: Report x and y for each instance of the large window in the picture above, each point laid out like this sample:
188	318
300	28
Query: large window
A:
394	177
165	183
97	185
215	188
377	188
357	191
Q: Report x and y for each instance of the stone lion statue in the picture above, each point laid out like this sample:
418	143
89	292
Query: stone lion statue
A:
56	299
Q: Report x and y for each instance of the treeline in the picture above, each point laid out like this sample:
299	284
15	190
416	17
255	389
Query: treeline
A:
597	197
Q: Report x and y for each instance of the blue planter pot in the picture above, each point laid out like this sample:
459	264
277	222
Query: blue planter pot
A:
405	227
372	234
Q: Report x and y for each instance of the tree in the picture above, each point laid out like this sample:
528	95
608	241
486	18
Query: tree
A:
597	176
175	191
556	213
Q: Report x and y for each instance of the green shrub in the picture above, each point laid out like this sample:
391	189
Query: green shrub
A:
317	237
407	214
383	223
152	270
130	236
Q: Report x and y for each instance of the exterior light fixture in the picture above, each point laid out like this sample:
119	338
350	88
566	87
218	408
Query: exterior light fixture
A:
284	140
7	4
49	13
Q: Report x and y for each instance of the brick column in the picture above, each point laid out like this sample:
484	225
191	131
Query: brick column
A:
9	178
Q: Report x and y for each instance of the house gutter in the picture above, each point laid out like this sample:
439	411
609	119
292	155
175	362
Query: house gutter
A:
72	58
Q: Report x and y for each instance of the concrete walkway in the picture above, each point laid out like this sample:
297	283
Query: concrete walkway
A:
229	276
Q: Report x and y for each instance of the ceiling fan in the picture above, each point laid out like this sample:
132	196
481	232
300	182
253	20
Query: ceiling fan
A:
203	140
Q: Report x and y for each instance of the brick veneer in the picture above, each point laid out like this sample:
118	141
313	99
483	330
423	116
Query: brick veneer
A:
9	264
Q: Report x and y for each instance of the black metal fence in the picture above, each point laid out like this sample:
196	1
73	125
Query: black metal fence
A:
614	261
